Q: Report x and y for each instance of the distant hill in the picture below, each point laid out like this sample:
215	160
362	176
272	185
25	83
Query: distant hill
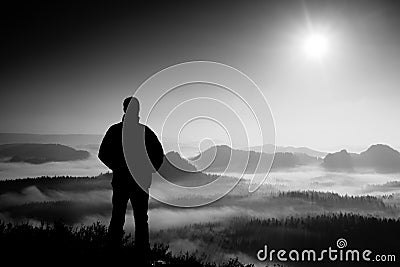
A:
269	148
380	158
40	153
65	139
305	159
175	165
340	161
223	158
180	171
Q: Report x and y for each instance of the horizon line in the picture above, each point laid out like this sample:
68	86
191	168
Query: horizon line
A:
349	148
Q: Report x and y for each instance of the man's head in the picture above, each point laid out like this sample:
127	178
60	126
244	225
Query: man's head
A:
134	102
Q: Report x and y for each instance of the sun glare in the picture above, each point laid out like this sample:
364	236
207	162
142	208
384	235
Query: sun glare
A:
316	46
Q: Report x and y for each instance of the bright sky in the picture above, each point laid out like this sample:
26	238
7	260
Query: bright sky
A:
329	69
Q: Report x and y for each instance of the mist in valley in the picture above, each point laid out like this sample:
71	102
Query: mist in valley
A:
73	193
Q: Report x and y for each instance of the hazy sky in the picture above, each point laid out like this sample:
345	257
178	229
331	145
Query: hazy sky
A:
65	68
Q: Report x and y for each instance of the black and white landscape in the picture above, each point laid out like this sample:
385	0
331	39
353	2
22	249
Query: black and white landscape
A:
302	93
300	189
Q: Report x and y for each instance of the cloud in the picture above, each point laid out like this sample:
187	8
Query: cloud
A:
161	218
29	194
89	167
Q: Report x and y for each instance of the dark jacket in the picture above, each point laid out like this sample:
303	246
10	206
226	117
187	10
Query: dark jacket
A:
112	155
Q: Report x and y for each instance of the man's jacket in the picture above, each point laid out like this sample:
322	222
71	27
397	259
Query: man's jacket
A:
112	155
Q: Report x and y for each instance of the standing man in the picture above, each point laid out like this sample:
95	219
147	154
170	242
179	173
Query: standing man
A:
124	185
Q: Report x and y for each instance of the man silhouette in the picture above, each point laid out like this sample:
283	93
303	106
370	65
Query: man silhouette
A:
124	186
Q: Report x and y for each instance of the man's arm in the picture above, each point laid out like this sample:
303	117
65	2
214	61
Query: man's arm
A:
106	149
154	149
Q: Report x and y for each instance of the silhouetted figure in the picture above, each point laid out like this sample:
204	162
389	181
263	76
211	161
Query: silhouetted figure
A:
124	185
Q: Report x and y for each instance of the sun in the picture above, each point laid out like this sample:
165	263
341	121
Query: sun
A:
316	45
